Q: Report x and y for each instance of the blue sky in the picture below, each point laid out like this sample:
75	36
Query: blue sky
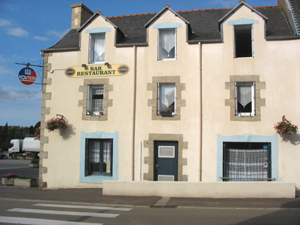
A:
27	26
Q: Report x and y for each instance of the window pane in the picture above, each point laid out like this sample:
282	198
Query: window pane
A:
167	44
98	47
106	157
99	157
167	97
245	97
243	41
94	156
96	99
246	163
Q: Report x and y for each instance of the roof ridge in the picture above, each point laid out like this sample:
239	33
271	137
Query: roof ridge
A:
141	14
192	10
270	6
201	10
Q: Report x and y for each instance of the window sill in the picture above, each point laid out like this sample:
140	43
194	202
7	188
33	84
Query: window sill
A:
99	175
246	57
98	114
161	60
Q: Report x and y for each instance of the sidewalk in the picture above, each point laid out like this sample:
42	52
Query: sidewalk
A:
94	196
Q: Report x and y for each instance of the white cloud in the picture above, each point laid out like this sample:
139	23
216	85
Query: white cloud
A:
4	70
19	32
40	38
57	34
4	23
12	95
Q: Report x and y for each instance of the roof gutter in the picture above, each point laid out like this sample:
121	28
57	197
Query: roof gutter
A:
131	45
205	41
282	38
60	49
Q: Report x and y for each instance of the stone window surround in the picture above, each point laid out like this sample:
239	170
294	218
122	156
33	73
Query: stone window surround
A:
258	101
150	158
153	102
107	102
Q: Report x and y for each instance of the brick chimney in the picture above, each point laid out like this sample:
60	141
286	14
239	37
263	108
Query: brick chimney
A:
80	14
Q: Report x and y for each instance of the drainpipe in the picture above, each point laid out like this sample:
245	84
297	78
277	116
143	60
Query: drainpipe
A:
201	111
134	112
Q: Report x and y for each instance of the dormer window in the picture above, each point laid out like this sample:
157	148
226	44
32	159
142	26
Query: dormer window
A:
166	44
243	41
97	48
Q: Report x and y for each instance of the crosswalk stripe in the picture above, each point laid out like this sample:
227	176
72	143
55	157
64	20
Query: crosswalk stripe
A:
30	221
83	207
70	213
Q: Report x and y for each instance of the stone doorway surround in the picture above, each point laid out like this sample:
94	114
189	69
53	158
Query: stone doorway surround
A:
150	158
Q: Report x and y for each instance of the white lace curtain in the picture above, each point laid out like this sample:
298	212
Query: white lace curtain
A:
167	96
99	48
244	95
246	164
94	151
167	39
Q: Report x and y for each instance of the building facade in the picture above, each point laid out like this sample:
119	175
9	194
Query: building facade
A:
173	96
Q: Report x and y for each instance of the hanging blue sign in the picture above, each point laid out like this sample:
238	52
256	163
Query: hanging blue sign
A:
27	76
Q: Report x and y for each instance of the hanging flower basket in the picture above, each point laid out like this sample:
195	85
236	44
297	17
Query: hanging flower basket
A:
56	124
38	133
285	127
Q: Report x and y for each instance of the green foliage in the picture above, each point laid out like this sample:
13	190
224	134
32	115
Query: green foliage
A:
14	132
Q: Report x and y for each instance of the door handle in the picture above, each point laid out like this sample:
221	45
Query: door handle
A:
156	166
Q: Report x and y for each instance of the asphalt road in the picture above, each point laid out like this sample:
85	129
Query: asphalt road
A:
38	206
41	212
18	166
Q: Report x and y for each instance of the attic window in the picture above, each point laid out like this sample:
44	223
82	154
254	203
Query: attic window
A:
97	48
167	44
243	39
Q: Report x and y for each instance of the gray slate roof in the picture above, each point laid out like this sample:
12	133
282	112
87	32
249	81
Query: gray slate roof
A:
203	24
296	11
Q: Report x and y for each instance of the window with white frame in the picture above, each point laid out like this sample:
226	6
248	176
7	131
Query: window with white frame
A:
97	48
98	157
245	101
166	44
166	98
95	104
243	41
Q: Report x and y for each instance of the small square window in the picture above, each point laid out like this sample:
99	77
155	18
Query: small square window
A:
243	41
166	99
97	48
95	104
245	104
98	159
167	44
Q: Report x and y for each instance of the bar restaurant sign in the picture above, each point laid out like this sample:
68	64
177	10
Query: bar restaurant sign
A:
97	70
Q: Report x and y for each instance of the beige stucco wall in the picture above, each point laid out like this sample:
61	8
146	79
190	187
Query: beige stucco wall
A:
64	153
63	162
277	64
188	70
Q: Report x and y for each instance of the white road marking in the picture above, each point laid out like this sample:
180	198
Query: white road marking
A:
70	213
83	207
29	221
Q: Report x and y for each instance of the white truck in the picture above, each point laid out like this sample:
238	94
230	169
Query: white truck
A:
24	146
